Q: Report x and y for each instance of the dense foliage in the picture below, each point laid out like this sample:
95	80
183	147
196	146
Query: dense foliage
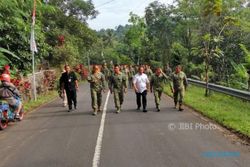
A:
209	38
61	32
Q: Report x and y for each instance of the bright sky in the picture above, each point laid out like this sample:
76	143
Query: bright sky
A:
116	12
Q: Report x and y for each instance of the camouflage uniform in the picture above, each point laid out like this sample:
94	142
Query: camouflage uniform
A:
149	73
157	85
168	71
131	73
97	84
118	83
107	73
179	85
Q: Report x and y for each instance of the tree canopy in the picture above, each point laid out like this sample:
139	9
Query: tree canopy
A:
209	38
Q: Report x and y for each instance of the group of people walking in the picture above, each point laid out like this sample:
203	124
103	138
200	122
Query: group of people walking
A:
119	78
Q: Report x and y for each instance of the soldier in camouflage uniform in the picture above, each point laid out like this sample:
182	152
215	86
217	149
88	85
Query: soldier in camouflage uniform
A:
179	86
131	73
97	85
118	85
106	72
148	71
158	81
168	70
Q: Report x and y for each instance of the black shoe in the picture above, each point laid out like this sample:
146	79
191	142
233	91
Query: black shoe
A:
69	110
144	110
158	108
138	108
75	107
181	109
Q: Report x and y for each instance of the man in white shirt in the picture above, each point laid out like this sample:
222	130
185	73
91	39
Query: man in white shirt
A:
141	85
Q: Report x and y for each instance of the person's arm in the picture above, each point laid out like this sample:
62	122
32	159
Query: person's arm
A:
164	75
89	78
61	83
125	83
76	81
171	83
14	90
134	84
148	83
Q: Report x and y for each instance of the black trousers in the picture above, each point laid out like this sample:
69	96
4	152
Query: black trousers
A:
71	97
144	99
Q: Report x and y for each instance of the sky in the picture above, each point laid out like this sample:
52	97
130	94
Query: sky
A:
116	12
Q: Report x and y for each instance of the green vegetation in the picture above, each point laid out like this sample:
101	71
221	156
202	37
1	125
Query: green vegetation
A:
210	38
226	110
61	32
42	99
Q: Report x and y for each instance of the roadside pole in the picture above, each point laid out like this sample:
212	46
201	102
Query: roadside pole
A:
33	49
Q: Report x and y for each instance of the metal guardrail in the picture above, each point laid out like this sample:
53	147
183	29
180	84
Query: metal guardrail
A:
222	89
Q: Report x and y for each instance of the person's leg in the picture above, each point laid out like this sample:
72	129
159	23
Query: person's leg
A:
144	100
138	100
182	93
117	100
99	100
68	93
175	98
18	106
160	94
64	98
121	96
94	101
74	98
156	94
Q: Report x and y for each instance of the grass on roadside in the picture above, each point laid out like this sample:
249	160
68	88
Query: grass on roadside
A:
41	99
226	110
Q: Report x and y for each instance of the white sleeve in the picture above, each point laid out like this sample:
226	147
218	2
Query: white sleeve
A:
134	79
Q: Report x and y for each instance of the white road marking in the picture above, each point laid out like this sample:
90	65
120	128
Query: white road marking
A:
98	147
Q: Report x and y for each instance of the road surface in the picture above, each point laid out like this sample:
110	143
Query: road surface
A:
52	137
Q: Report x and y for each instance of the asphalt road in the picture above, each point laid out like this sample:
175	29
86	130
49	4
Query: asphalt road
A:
52	137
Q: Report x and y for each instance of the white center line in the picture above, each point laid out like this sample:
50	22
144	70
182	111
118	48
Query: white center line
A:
98	147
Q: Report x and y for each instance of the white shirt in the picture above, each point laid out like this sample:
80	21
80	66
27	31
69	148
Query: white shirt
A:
140	81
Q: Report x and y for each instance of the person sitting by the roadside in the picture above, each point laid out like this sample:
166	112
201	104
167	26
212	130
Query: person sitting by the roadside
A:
10	93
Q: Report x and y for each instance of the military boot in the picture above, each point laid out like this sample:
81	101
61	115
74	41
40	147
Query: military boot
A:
175	105
99	109
180	107
95	112
118	110
158	108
